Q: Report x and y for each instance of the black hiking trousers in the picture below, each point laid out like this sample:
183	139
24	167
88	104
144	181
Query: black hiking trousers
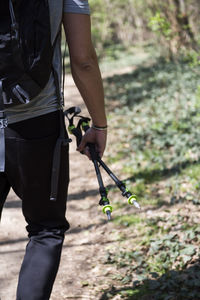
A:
29	153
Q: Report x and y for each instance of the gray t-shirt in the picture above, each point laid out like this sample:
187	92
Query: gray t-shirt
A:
46	101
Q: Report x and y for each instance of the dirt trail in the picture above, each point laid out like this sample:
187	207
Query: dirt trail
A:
84	243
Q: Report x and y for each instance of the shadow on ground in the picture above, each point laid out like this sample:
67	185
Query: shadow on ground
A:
149	176
173	285
132	88
157	175
13	204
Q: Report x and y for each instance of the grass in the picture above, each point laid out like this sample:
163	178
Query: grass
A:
127	220
156	122
117	58
154	119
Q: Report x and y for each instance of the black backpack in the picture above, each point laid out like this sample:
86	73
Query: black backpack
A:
26	54
25	49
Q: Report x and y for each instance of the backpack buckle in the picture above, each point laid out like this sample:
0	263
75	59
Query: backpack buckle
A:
3	123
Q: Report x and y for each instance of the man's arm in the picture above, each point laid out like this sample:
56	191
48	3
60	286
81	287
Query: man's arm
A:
86	74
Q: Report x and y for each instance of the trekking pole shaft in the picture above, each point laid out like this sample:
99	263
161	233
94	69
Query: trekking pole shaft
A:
99	177
110	173
104	201
125	192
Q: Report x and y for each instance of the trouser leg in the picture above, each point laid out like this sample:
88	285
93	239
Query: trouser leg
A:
4	190
46	227
40	266
46	219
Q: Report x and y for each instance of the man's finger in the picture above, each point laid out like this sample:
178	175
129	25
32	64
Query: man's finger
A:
81	146
100	151
87	152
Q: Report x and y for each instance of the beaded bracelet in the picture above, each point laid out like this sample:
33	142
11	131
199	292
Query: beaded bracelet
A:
99	127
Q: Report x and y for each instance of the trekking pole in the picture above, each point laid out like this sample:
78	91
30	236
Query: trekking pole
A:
132	198
83	124
70	114
77	132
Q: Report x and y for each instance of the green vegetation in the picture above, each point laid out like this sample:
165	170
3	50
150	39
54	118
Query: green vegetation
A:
156	122
154	119
162	265
172	25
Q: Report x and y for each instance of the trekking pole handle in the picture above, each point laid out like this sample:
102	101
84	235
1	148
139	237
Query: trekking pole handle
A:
93	152
77	133
85	126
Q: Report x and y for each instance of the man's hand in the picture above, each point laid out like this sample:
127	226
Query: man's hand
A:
97	137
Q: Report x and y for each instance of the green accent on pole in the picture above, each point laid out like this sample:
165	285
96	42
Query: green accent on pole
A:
70	128
85	124
126	189
107	208
105	199
131	199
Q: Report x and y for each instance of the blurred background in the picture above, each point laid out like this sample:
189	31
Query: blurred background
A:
171	26
149	54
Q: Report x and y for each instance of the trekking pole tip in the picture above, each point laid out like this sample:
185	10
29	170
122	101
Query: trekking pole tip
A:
136	204
108	215
132	200
107	209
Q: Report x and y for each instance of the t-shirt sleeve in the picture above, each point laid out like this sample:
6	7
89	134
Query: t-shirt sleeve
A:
77	6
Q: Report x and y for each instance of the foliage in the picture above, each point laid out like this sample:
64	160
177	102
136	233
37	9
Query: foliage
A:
160	25
157	117
165	266
192	57
175	23
154	120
